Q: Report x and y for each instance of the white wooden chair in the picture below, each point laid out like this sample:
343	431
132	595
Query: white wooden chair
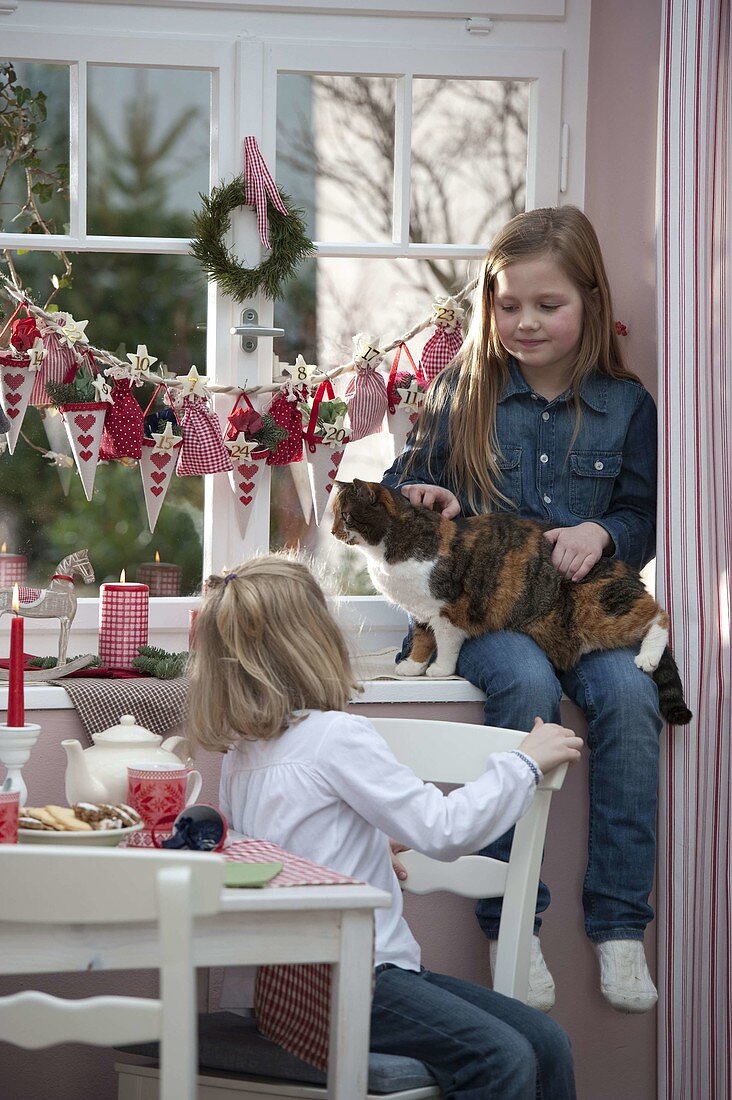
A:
438	752
61	887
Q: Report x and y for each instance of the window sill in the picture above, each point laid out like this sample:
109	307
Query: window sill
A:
47	697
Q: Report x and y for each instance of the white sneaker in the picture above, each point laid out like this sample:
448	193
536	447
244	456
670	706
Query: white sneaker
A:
542	994
624	978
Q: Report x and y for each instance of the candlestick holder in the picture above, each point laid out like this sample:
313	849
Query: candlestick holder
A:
16	743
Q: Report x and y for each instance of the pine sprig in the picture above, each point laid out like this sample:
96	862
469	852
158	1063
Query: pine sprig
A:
52	662
159	662
271	434
290	244
79	391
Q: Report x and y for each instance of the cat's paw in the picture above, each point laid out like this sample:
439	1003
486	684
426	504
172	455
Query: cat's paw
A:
646	663
440	672
409	668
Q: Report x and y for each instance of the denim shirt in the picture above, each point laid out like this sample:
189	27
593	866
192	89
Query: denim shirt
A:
607	475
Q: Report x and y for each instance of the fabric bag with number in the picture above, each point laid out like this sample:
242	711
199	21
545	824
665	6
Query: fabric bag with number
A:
445	342
405	394
124	425
285	412
367	401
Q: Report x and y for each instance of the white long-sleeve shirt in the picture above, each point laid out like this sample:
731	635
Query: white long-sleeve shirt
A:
330	789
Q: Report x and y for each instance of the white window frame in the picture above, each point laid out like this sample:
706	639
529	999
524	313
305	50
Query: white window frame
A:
534	40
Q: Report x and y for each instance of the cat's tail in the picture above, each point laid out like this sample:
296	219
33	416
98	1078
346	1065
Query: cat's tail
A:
671	691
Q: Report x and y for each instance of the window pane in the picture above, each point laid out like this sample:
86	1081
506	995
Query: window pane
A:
23	109
148	149
128	299
332	300
335	153
469	141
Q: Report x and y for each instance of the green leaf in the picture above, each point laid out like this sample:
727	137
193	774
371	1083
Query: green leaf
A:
53	308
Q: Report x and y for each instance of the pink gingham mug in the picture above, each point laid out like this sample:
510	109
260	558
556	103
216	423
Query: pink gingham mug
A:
9	806
158	791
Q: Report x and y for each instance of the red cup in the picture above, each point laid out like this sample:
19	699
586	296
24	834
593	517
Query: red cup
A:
9	807
200	812
158	791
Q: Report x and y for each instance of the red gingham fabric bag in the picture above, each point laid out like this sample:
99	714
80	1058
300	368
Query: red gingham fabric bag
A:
123	426
285	412
367	401
439	351
202	450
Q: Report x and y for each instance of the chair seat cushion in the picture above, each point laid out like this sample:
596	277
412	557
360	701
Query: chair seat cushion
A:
232	1043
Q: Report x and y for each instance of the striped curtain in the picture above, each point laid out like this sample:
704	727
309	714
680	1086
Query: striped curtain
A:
695	551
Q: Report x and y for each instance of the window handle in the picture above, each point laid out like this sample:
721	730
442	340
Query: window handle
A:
250	330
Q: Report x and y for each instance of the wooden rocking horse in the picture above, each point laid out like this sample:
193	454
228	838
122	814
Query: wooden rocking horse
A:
58	601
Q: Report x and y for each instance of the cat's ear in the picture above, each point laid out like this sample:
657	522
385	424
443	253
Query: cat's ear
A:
364	491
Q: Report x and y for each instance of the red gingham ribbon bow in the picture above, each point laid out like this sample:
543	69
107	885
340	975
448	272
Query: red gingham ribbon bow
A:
259	187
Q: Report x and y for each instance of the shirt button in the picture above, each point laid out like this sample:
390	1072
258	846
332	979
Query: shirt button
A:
545	416
534	397
547	500
599	465
543	458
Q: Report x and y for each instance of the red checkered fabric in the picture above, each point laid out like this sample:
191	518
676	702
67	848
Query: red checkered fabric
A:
202	450
123	612
28	595
13	569
57	363
260	187
123	425
296	870
367	401
439	351
292	1006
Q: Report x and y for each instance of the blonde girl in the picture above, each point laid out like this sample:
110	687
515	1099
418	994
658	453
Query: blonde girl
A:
538	415
271	680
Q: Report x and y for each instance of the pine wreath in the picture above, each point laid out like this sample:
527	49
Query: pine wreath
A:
290	244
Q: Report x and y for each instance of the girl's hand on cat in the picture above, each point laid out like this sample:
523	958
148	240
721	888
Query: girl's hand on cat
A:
430	495
551	745
577	549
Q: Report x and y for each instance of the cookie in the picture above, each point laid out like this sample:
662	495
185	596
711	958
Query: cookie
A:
27	821
69	822
106	815
41	813
121	810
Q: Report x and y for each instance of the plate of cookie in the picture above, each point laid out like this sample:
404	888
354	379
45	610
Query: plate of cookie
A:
101	824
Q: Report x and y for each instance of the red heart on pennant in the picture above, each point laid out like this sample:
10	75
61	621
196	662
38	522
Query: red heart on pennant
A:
12	413
332	474
158	478
413	418
14	398
246	500
85	440
246	486
84	422
156	490
248	471
13	381
328	487
85	455
159	459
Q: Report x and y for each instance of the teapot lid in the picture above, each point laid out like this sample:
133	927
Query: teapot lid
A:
126	731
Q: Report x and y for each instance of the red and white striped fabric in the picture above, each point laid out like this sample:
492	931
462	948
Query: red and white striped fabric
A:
367	401
260	187
695	404
60	358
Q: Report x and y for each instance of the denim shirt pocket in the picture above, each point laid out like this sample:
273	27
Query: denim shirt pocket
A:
509	468
592	480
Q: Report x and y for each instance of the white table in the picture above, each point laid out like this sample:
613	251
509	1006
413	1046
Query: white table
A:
288	924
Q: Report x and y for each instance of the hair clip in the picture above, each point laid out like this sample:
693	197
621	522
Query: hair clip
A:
229	577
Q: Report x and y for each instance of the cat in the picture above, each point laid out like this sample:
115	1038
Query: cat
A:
465	577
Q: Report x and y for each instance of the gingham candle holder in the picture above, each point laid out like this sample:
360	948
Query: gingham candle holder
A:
161	577
13	569
123	616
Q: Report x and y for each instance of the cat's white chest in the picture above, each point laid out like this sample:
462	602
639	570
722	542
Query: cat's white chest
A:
406	584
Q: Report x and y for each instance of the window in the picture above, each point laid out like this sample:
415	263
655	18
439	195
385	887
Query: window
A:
405	159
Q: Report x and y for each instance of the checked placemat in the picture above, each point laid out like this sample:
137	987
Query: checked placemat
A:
158	705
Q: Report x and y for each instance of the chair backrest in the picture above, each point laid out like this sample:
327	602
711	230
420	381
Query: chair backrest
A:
61	887
454	753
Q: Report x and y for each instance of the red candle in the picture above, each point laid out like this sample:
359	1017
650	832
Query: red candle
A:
16	702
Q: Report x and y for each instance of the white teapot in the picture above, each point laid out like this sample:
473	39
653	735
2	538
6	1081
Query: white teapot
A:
99	774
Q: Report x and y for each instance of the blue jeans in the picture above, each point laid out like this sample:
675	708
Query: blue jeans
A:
479	1045
621	706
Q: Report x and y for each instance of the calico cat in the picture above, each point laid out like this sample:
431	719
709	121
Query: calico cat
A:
465	577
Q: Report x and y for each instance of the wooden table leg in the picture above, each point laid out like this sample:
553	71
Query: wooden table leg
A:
350	1012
